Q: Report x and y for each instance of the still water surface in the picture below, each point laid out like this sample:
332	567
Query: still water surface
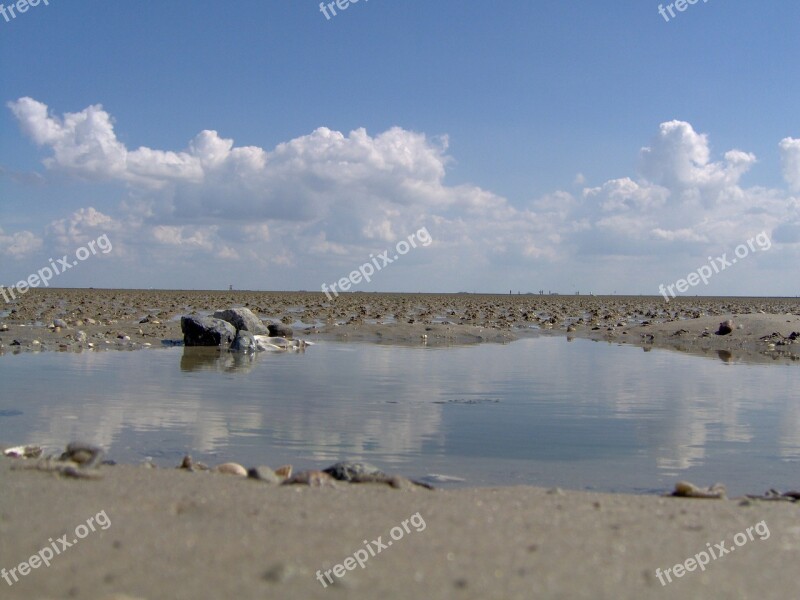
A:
543	411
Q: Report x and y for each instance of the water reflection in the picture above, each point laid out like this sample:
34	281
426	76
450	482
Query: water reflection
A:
213	359
541	411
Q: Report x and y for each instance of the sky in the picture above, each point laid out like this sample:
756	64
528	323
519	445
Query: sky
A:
592	147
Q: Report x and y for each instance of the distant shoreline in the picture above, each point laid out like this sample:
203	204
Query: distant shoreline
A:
137	319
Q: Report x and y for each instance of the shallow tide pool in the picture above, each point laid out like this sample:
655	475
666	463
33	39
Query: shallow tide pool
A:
544	411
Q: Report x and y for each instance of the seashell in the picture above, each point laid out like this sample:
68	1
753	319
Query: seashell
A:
685	489
284	472
231	468
23	452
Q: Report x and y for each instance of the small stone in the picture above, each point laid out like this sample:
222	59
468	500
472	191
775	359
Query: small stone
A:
685	489
232	468
189	464
310	478
86	455
725	328
356	472
264	474
59	323
284	472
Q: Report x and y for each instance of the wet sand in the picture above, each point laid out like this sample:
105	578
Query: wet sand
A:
135	319
175	534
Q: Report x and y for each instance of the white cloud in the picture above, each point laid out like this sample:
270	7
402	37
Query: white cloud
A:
790	156
679	159
19	244
81	226
322	202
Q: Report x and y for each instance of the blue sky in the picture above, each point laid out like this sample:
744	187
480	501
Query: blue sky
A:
262	145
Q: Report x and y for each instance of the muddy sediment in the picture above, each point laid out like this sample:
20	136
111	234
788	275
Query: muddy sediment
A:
764	329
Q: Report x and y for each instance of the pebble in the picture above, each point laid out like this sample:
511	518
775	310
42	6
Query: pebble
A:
264	474
188	464
310	478
725	328
86	455
231	468
356	472
685	489
284	472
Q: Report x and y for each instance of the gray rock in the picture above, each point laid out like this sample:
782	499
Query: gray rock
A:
280	330
725	328
244	342
60	323
242	319
206	331
355	472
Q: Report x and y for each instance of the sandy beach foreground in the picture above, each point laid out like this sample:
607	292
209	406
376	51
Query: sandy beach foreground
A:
168	533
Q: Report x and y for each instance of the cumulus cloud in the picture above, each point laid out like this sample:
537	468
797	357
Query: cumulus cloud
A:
330	198
680	159
790	156
81	226
19	244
